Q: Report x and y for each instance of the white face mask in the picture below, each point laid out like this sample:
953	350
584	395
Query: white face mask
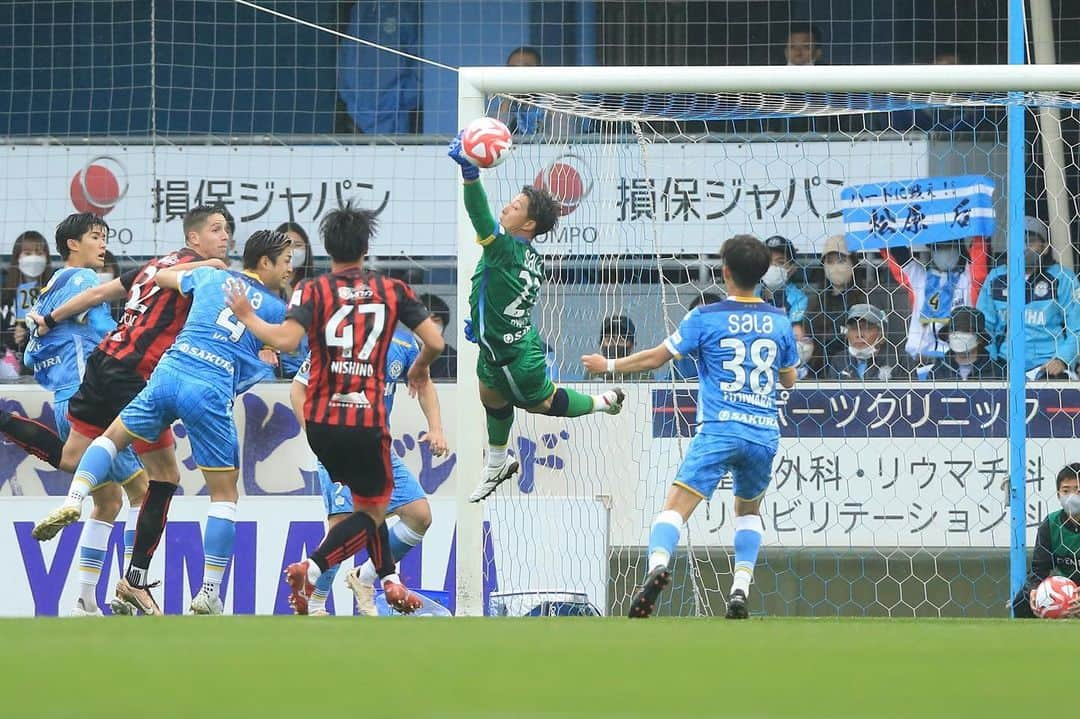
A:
962	342
840	274
862	353
1071	504
774	278
298	256
806	350
945	258
32	265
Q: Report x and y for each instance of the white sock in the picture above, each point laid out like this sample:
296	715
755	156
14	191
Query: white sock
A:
313	571
95	539
391	578
496	456
316	604
658	558
744	575
600	402
77	491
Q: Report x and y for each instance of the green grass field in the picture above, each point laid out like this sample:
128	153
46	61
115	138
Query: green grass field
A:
227	667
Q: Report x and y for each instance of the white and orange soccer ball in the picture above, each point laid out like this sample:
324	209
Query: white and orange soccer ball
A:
1052	598
485	142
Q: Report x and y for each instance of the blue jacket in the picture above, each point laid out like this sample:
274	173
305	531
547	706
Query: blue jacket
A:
1051	315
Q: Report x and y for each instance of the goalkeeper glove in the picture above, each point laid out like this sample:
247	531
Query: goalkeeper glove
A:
469	334
469	171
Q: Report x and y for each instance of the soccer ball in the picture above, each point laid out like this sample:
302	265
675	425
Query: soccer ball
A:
1051	599
485	142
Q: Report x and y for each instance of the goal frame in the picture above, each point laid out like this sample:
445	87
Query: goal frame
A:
476	83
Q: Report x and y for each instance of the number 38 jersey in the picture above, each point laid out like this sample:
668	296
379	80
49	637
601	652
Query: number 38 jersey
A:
741	346
350	317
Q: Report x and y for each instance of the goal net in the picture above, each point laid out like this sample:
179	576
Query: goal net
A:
890	492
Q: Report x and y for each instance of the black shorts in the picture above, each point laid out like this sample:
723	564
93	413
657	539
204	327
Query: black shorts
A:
107	387
358	457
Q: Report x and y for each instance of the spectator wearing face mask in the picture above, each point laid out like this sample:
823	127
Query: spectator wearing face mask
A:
777	286
1057	544
29	271
966	357
867	356
617	336
1051	309
951	278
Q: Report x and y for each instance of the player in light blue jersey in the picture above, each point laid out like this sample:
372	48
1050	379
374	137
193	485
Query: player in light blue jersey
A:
213	359
59	360
744	349
408	500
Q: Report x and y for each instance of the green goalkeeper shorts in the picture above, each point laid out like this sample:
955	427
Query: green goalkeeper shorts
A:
524	381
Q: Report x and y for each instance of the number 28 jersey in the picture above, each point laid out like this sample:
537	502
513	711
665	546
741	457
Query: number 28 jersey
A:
350	317
741	346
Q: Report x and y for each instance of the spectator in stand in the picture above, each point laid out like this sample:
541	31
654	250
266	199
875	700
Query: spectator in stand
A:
685	367
1051	313
966	357
951	278
617	338
803	46
380	91
445	365
827	308
29	271
777	286
520	119
868	356
303	260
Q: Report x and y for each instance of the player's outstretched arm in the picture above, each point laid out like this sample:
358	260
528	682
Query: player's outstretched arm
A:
111	291
428	397
432	345
642	361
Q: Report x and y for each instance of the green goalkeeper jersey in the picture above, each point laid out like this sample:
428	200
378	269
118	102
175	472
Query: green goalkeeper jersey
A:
1057	548
505	285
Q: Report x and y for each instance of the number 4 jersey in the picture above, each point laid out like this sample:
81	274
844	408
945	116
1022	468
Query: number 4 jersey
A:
741	345
350	317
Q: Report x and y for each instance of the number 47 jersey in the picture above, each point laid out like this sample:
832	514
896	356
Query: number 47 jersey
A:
740	345
350	317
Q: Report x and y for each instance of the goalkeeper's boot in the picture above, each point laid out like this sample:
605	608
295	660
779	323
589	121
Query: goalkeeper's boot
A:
736	606
612	400
138	597
645	602
80	610
296	576
56	520
364	593
493	477
203	603
400	598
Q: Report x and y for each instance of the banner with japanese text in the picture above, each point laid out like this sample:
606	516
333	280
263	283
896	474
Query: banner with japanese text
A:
677	198
917	212
895	465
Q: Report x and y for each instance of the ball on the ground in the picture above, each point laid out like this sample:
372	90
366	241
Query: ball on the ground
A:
1052	598
485	142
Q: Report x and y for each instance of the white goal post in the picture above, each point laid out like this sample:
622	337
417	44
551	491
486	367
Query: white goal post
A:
959	85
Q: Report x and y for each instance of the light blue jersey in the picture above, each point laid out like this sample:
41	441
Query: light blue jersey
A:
741	346
59	358
336	497
214	345
213	359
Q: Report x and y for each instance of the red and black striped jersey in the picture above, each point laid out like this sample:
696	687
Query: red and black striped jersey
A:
152	318
350	318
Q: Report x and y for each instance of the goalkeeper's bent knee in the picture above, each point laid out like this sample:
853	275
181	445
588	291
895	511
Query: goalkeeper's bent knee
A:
504	412
560	403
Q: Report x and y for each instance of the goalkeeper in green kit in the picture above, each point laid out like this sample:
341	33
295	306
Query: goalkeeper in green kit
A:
505	286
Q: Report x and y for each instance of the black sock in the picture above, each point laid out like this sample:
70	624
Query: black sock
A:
344	540
379	551
148	531
34	437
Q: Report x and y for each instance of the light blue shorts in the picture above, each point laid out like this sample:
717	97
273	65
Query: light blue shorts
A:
124	467
711	456
338	499
206	410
